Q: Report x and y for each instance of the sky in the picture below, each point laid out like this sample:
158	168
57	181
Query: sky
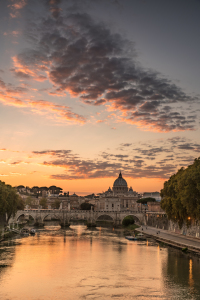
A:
89	88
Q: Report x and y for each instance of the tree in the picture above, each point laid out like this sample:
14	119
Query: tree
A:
43	202
56	204
35	190
55	190
181	194
128	221
10	201
29	201
145	200
86	206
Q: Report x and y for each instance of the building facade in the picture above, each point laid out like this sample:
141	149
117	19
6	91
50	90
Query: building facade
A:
119	198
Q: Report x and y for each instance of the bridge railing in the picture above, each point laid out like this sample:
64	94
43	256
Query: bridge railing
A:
81	211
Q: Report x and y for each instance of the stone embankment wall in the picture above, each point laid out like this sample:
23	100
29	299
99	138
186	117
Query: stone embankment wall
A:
161	221
157	220
191	230
2	220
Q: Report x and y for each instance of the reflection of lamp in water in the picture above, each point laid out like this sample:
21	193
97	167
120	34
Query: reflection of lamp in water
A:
191	281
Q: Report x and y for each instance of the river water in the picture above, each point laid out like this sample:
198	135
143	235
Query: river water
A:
79	263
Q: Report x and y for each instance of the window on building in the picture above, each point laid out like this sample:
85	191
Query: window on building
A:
112	205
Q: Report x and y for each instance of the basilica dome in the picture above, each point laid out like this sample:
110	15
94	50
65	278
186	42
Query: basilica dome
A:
120	181
120	185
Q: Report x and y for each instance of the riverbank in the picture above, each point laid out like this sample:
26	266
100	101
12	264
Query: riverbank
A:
175	240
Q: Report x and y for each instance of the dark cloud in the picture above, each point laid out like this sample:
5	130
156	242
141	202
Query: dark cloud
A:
108	166
101	171
11	89
57	153
165	150
86	59
54	8
152	151
190	146
16	162
167	158
20	74
125	145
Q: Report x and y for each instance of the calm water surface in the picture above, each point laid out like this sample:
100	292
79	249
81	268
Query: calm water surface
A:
79	263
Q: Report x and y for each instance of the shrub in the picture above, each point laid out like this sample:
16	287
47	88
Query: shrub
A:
128	221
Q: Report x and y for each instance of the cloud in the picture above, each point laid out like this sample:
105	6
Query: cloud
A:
152	151
190	146
13	33
58	153
36	71
125	145
54	8
16	162
16	6
62	113
85	59
108	165
159	162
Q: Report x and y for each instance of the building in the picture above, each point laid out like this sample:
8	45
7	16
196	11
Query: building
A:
120	197
155	195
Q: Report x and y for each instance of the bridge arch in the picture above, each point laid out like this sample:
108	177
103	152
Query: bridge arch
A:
104	217
54	216
136	219
24	214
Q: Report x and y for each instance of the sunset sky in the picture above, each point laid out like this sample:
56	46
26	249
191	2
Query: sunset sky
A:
92	87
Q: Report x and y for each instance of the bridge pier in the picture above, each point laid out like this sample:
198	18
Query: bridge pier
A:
65	219
39	222
91	221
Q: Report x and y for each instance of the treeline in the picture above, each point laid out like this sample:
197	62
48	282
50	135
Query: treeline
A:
10	201
37	191
146	200
181	195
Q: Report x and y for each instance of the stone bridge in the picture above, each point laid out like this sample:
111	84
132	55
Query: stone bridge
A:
65	216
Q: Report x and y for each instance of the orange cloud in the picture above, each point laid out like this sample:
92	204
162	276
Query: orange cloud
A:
23	71
59	112
13	33
16	6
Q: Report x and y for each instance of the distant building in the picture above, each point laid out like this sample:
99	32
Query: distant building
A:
120	197
154	207
155	195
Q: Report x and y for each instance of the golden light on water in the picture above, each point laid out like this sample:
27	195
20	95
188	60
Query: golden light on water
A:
78	262
191	281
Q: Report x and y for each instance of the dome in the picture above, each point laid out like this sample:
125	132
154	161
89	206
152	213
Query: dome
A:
131	190
120	181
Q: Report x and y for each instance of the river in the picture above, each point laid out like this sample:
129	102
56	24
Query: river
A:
80	263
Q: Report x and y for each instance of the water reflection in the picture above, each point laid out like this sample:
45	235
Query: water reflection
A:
180	270
79	263
191	281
